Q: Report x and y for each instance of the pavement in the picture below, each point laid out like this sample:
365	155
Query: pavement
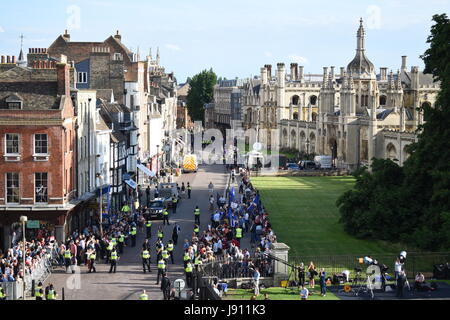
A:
129	280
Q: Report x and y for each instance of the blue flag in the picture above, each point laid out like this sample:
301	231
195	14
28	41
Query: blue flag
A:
231	196
257	202
230	216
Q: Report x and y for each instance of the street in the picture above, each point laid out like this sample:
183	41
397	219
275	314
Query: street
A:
129	280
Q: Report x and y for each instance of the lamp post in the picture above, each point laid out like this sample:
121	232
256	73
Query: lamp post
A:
99	176
24	220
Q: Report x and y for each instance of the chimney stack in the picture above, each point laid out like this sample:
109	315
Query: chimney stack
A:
3	59
300	73
404	63
269	71
8	59
342	72
63	79
66	36
118	36
294	71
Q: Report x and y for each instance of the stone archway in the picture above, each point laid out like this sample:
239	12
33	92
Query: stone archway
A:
285	138
391	151
311	146
332	143
293	139
302	146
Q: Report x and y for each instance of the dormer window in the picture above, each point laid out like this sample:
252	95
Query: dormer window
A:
14	102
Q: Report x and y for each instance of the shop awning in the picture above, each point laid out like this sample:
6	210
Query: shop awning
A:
131	183
145	170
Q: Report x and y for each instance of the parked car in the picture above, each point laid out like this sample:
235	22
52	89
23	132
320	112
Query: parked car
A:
156	208
307	165
292	166
167	191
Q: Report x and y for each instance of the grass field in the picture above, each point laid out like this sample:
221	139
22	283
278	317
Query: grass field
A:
277	293
304	215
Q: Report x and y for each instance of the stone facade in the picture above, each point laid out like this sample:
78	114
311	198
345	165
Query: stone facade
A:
351	115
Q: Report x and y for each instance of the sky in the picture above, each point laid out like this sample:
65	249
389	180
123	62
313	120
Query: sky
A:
234	37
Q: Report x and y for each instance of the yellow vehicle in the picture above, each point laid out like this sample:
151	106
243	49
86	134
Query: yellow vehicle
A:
190	163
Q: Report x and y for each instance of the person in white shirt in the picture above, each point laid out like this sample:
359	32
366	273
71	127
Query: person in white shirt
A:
304	292
256	276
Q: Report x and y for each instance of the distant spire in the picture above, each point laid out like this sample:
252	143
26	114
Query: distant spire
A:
157	57
361	36
21	60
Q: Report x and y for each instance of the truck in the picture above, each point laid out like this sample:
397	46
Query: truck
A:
190	163
323	162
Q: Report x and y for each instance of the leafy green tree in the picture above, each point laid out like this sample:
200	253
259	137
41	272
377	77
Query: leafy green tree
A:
201	92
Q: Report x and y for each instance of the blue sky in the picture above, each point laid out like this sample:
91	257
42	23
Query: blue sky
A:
233	37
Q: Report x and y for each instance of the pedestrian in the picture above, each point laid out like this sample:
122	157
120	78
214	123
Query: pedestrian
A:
238	234
256	277
133	233
188	271
114	257
301	274
121	242
68	258
196	230
165	286
170	250
160	233
189	189
147	194
148	227
304	293
197	215
161	269
166	217
183	189
3	295
323	282
401	279
159	248
176	231
174	204
211	188
51	292
39	292
92	257
312	273
156	194
143	295
145	259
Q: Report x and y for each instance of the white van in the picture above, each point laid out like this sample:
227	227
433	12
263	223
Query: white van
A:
323	162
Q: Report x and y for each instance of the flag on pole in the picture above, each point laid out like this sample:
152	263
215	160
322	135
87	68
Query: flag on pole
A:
231	196
230	216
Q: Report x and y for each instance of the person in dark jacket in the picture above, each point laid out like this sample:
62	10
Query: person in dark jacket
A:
165	286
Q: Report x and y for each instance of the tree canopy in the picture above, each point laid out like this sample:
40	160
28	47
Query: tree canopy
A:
201	92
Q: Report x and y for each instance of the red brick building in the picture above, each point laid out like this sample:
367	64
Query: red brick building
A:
37	147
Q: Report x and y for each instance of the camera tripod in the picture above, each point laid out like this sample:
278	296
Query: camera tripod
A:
366	287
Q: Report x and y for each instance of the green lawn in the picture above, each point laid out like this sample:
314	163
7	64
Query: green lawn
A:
304	215
277	293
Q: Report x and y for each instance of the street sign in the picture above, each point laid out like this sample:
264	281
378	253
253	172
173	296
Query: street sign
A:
179	285
33	224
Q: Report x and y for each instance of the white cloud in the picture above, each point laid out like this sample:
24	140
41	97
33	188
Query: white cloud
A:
297	58
173	47
1	29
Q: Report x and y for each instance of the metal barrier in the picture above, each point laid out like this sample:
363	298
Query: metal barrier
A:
13	289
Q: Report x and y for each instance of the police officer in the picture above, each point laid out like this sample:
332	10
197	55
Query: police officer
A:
166	217
133	236
197	261
165	255
148	228
189	190
188	270
161	269
143	295
39	292
196	230
159	248
3	295
165	286
186	257
160	234
68	258
170	250
121	242
174	204
109	249
92	257
51	293
238	233
145	259
114	257
197	215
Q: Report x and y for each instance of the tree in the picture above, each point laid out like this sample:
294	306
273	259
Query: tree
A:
201	92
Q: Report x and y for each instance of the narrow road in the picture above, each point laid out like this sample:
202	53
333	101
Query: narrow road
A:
129	280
